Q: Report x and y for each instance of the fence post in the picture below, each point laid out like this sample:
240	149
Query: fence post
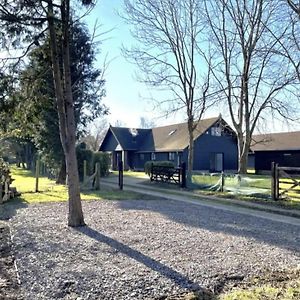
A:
1	190
97	178
277	182
222	182
273	181
151	172
183	175
37	174
84	170
120	168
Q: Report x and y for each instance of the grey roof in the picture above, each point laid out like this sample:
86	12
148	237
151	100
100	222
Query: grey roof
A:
128	138
174	137
164	138
281	141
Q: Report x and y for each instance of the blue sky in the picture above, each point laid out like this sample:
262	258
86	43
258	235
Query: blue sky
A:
125	96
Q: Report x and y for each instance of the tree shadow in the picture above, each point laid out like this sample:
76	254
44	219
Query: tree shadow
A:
217	220
167	272
9	208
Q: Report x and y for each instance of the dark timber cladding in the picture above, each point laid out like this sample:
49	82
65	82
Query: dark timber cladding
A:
215	145
282	148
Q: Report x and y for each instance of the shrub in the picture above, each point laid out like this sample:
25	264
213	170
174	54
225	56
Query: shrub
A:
4	176
82	155
104	160
164	163
4	170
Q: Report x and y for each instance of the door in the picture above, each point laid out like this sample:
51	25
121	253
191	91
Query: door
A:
216	162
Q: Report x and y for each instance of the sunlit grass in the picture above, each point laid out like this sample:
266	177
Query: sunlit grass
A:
49	191
133	174
285	289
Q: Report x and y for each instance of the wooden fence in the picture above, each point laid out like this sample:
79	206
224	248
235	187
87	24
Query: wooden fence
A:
285	180
169	174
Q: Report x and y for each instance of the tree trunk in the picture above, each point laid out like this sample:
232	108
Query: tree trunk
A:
243	163
243	147
65	108
61	179
191	149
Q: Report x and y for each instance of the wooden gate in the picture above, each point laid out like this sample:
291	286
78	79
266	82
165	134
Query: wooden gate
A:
285	180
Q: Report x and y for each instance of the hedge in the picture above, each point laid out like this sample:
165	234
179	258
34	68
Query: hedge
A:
164	163
104	160
91	159
82	155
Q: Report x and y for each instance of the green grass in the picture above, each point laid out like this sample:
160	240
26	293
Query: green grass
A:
134	174
251	181
279	286
49	191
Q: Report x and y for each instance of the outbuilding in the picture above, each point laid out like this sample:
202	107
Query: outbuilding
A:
282	148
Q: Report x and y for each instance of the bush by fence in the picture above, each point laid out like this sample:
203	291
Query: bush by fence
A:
104	160
91	159
82	155
149	163
5	180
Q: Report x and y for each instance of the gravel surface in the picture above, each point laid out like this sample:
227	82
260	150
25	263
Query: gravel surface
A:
144	249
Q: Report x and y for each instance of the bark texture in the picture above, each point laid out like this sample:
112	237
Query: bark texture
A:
65	107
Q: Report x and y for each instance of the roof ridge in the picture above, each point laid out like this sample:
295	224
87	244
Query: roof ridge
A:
272	133
183	123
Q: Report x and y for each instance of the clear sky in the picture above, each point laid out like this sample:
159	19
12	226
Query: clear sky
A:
125	96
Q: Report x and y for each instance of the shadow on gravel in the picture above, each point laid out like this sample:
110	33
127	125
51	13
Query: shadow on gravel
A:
9	288
216	220
176	277
9	209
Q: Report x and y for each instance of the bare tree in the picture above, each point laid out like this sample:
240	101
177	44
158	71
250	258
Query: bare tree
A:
119	123
294	6
146	123
96	134
291	43
255	79
168	33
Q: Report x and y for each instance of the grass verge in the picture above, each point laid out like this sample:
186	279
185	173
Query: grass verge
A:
49	191
280	285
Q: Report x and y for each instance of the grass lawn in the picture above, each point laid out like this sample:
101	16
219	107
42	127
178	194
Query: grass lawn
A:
284	285
134	174
255	188
279	286
49	191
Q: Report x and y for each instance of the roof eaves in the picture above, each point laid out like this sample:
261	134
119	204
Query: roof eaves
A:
111	128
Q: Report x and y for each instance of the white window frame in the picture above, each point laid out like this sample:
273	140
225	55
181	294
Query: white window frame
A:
216	131
153	156
171	156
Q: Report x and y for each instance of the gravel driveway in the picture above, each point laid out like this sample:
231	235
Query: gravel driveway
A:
143	249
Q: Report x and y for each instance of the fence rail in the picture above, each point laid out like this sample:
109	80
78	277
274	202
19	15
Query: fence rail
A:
285	176
169	174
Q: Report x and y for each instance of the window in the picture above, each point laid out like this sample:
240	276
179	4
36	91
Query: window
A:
153	157
172	131
171	155
216	131
142	156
